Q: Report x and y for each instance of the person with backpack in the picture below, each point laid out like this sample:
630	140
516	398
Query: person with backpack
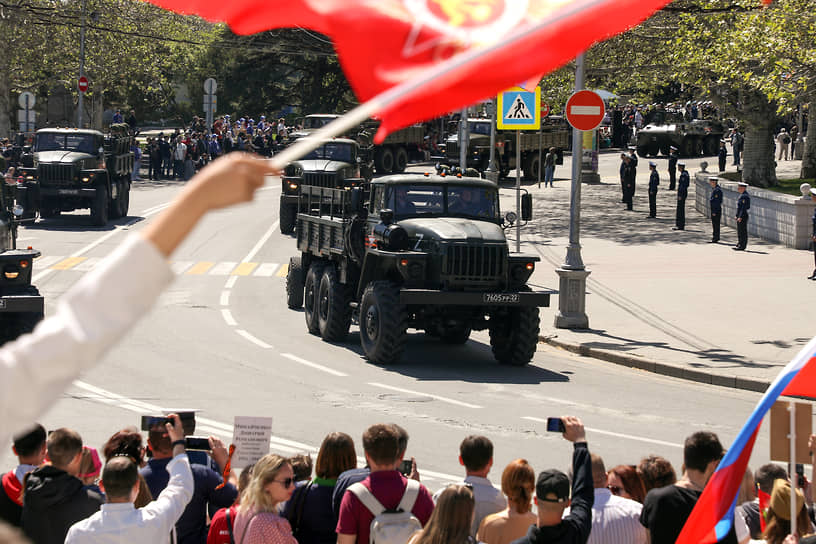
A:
450	521
222	525
386	507
257	522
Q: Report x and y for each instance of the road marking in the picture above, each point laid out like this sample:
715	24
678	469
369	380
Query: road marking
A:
284	269
257	341
316	366
244	269
88	264
155	209
267	235
231	282
179	267
68	263
616	435
222	269
200	268
437	397
227	315
225	294
47	261
266	270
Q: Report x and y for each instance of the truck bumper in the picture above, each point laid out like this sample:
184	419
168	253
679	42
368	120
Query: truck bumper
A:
20	304
289	199
68	191
430	297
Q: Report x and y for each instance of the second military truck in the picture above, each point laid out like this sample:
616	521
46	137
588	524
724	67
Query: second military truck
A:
422	252
79	168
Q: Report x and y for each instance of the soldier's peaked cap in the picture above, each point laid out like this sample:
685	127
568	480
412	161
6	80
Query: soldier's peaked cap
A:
681	164
742	184
652	163
671	147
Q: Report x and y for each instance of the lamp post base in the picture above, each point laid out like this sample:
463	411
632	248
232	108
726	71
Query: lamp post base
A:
572	300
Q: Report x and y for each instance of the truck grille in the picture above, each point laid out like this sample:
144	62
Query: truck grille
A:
476	266
320	179
55	174
452	150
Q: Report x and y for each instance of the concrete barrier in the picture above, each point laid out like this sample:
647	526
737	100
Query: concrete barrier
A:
775	217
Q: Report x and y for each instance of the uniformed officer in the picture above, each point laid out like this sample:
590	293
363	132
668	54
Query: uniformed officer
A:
654	181
715	203
672	167
722	154
743	205
623	167
628	182
682	193
813	237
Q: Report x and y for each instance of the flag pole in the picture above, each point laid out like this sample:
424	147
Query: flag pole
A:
794	475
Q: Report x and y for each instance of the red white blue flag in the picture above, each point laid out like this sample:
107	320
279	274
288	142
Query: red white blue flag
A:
713	514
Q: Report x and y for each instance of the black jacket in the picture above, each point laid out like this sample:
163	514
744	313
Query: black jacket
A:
575	527
53	501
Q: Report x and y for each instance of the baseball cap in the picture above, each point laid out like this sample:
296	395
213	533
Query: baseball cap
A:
552	482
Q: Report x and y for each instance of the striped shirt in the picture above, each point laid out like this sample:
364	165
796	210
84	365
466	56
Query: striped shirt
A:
615	520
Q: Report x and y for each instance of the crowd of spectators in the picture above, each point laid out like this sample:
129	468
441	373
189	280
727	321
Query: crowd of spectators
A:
62	492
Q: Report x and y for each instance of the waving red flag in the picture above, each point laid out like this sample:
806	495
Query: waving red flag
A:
485	46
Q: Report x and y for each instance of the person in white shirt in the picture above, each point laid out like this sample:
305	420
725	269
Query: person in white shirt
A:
37	367
615	520
119	520
179	154
476	455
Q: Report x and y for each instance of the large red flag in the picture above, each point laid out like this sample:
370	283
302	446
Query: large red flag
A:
487	45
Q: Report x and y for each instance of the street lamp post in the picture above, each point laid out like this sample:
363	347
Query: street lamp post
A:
572	274
80	113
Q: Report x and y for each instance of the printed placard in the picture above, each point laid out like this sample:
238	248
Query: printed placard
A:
251	437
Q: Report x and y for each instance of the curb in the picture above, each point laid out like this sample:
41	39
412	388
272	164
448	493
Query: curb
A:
666	369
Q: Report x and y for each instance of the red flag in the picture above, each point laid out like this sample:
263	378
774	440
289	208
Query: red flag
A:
764	503
486	45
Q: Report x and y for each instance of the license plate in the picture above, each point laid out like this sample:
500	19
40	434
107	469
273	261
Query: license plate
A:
501	298
68	191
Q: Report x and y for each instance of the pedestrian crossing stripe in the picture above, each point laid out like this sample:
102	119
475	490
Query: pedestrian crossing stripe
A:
180	268
520	109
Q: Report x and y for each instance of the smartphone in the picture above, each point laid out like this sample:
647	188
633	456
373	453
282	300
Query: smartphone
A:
197	443
149	422
800	473
555	425
406	467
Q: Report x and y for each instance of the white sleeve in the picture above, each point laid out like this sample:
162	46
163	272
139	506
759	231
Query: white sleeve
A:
171	502
91	317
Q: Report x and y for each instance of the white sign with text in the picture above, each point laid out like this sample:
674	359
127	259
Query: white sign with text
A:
251	437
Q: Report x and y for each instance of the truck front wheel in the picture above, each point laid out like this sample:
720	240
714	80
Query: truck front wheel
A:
311	288
384	160
99	207
294	283
288	216
514	336
333	310
383	323
124	198
400	160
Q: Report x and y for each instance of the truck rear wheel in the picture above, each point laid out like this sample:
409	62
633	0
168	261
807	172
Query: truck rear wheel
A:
294	284
400	160
513	337
124	198
310	291
384	160
531	168
383	323
288	216
333	310
99	207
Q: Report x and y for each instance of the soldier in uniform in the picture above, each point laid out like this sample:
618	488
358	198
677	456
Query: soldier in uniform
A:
743	205
722	154
672	167
813	237
628	182
715	202
654	181
682	193
623	166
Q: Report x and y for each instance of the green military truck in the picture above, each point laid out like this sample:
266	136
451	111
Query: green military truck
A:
422	252
389	157
691	138
78	168
337	164
554	133
21	306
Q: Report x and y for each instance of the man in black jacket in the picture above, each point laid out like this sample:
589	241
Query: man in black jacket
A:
552	496
29	447
54	497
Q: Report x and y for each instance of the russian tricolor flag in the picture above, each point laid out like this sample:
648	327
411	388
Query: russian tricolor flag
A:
713	515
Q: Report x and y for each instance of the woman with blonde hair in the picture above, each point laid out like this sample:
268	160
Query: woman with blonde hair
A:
518	484
258	522
451	518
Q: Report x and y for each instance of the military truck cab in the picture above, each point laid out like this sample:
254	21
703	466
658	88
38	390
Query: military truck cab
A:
75	169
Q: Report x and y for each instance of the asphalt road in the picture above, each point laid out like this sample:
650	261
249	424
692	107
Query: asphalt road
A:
222	340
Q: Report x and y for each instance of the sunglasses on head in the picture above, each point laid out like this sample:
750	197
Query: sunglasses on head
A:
615	490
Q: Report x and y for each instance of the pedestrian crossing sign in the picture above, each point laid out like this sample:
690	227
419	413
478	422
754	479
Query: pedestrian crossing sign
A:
519	109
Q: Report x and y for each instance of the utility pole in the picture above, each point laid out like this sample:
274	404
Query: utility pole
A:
80	113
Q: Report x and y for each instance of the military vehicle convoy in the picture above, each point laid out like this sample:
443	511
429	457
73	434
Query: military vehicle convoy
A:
691	138
21	306
389	157
422	252
79	168
554	133
337	164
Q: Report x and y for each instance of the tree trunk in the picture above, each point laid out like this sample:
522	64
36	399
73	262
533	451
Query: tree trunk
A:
809	157
5	108
758	155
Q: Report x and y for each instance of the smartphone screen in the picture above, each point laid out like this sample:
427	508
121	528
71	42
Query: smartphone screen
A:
405	467
197	443
555	425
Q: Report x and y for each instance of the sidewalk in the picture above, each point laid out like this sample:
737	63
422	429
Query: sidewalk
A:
669	301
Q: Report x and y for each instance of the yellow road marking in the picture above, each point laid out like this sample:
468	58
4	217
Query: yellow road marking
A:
68	263
244	269
283	270
200	268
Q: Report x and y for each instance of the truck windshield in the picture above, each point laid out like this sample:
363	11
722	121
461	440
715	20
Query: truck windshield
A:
479	128
316	122
457	200
333	152
83	143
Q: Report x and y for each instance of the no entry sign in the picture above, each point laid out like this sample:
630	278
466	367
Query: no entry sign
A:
545	109
585	110
82	84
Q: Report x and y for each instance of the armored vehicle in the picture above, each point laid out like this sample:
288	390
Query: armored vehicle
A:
391	156
691	138
554	133
423	252
21	306
78	168
338	164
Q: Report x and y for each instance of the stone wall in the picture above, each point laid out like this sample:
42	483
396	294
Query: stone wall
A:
773	216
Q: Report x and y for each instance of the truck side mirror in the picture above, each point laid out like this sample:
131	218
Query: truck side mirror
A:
357	199
526	207
387	216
